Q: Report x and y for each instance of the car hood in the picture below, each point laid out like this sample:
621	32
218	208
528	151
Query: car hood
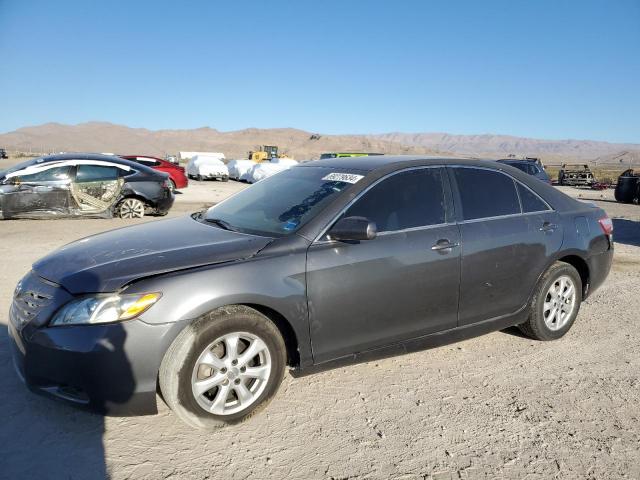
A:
108	261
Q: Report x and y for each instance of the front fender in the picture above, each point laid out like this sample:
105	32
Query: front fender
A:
276	282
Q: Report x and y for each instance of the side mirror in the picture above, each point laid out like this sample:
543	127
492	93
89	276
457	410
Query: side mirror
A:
353	228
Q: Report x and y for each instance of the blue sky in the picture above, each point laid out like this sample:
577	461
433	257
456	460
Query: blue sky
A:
545	69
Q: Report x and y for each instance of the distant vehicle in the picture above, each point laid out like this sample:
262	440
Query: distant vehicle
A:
240	168
575	175
264	153
3	153
186	156
75	184
628	187
263	170
328	263
203	167
172	159
531	166
347	154
177	177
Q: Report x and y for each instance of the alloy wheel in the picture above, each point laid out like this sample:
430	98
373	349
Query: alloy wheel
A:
231	373
559	303
131	208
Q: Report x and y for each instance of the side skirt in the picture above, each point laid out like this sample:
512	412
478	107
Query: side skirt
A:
425	342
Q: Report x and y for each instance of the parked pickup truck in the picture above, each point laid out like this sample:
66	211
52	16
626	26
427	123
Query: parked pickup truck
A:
575	175
3	153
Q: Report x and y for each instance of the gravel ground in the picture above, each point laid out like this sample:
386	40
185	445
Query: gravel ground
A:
497	406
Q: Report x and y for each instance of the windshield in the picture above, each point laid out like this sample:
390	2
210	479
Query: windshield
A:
519	166
281	204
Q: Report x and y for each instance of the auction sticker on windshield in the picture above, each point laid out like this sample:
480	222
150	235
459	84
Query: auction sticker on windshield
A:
343	177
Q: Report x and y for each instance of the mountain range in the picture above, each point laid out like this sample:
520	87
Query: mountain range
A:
300	144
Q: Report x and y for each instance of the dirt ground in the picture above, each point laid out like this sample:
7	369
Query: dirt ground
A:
497	406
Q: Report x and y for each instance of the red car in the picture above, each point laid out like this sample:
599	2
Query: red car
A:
177	177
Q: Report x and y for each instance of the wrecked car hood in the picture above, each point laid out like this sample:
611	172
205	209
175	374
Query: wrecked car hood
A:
108	261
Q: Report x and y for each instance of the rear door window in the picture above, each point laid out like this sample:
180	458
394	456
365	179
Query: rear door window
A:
530	201
96	173
485	193
410	199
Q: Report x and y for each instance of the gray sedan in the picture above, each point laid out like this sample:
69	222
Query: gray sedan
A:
331	262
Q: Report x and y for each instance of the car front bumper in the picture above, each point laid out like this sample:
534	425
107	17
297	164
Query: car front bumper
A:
110	368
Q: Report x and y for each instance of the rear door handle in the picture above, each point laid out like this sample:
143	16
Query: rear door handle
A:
444	245
548	227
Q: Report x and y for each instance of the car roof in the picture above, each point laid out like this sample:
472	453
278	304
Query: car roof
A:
91	156
128	157
515	160
391	162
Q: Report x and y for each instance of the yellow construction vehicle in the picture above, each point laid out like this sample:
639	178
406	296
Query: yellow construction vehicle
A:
264	153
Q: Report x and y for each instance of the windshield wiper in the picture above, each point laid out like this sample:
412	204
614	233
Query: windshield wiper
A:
221	223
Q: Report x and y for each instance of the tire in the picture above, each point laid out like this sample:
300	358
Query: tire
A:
183	367
225	179
130	207
172	185
199	178
541	325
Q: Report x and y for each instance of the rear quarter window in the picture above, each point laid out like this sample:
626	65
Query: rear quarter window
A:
530	201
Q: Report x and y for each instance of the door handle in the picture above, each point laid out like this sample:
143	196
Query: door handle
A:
548	227
444	245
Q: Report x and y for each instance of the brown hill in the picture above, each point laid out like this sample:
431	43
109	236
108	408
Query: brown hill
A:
502	145
107	137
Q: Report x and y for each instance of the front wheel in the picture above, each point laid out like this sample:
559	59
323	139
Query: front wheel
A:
223	368
555	303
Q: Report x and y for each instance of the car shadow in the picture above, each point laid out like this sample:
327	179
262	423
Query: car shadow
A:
626	231
41	437
516	332
46	438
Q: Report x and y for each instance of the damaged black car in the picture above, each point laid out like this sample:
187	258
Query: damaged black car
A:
90	185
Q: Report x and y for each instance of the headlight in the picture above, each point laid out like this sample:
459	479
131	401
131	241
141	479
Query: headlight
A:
104	309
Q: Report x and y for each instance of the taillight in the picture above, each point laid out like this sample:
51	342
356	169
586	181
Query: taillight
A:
607	225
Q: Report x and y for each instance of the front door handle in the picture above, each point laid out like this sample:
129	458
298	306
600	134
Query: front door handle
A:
444	245
548	227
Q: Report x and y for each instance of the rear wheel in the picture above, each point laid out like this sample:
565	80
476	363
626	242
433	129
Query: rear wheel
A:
223	368
199	178
555	303
130	208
